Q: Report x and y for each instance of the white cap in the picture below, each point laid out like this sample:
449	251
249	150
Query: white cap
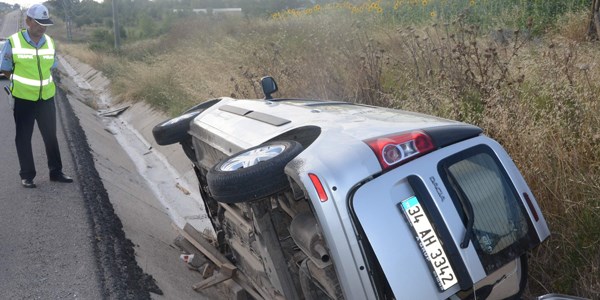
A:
40	14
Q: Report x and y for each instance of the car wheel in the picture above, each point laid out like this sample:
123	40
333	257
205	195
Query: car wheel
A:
174	130
252	174
204	105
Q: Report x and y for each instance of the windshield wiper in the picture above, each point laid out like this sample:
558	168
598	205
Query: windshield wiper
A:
467	208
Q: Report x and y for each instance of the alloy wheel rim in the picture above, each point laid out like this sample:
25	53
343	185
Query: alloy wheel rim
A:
252	157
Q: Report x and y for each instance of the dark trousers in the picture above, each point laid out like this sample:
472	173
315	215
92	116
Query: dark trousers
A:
26	113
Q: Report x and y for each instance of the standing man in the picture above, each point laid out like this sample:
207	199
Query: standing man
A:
28	59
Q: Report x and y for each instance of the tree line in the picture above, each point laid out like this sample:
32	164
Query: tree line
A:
88	12
141	19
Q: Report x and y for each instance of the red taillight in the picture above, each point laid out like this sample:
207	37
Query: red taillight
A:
318	186
531	208
395	149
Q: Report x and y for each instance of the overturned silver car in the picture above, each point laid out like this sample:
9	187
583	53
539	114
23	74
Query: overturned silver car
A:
314	199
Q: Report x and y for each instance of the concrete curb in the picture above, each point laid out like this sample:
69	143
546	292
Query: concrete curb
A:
142	180
166	169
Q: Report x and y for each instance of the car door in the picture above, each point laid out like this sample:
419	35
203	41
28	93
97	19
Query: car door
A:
442	222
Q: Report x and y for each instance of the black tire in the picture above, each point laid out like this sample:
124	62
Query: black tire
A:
232	184
204	105
176	129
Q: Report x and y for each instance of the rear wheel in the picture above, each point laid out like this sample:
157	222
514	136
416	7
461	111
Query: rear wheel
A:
252	174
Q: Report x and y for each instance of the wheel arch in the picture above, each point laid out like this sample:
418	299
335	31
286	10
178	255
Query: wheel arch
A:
305	135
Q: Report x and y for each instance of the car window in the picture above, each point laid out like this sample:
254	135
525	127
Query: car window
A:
499	222
501	230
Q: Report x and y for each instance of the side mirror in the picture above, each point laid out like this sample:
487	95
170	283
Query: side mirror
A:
269	86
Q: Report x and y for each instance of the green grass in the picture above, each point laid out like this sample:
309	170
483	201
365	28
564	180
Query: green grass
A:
535	14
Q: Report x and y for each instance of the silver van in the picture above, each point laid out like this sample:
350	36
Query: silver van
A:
314	199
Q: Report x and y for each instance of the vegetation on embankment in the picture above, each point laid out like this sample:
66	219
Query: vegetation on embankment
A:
531	81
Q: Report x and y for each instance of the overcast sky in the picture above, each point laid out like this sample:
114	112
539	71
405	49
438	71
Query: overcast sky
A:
23	3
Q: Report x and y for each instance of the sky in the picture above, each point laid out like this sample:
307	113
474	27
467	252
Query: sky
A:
24	3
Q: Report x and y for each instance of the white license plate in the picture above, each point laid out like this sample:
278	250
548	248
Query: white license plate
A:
430	243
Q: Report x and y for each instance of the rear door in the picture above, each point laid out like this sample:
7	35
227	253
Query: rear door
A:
446	220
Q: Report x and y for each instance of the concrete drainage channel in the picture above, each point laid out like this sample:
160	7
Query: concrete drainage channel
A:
148	188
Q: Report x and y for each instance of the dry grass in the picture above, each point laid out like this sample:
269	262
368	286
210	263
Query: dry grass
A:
81	51
539	98
574	26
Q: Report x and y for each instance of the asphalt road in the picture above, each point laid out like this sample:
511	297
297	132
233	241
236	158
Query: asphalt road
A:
61	240
45	240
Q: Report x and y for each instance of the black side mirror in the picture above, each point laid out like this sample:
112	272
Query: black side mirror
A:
269	86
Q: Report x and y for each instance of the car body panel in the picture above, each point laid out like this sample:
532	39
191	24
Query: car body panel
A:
333	215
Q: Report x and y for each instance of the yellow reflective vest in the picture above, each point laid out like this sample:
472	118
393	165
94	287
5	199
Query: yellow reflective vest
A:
32	77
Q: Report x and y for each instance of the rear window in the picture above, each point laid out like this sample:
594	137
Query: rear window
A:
492	212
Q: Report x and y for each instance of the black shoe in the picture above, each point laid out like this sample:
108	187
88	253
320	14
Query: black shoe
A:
28	183
60	177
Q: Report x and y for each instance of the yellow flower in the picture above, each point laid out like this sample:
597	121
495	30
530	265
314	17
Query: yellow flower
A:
472	2
424	2
433	14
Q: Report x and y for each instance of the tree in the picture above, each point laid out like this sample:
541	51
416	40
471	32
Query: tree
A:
594	27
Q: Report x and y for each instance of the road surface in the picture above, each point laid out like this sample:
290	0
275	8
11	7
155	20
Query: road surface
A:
45	238
105	236
61	240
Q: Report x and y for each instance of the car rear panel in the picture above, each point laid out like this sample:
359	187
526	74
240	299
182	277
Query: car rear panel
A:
384	207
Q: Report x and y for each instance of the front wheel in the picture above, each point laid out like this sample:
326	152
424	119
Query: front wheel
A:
176	129
252	174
